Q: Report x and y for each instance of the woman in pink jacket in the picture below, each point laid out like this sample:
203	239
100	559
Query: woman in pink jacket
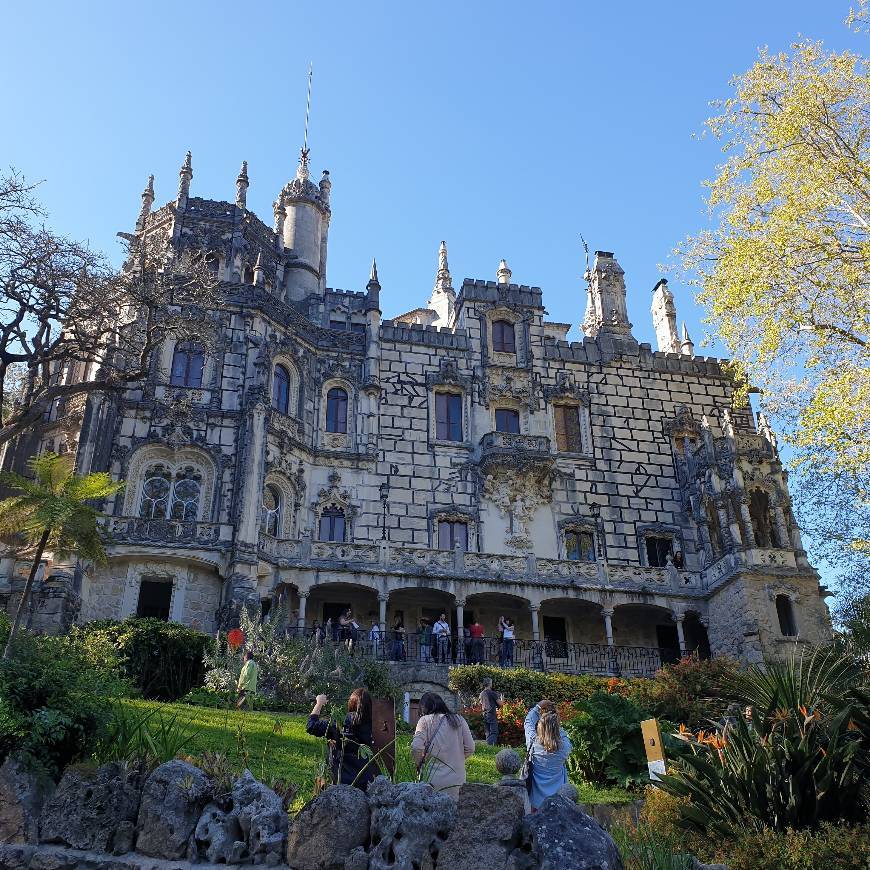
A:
441	744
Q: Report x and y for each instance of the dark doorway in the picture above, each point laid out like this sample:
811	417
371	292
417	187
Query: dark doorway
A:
333	611
669	643
697	641
555	636
154	599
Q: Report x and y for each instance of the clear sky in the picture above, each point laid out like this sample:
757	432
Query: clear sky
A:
505	128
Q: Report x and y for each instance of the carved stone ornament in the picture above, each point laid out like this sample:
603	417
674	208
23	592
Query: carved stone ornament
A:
448	375
683	424
567	388
509	384
518	494
334	495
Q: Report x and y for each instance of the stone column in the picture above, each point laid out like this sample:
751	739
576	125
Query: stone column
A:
460	635
748	533
382	612
303	601
178	595
252	488
681	637
607	613
536	631
781	527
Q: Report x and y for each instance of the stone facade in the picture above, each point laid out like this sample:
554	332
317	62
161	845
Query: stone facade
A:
297	449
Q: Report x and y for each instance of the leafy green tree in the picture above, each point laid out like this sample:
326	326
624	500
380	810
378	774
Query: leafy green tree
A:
52	511
785	272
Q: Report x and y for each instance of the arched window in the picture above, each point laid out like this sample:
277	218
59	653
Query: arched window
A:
332	524
336	410
171	496
785	613
271	510
712	515
249	275
281	389
155	493
185	495
759	512
503	340
187	363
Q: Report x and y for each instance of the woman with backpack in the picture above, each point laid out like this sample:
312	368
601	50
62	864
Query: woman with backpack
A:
348	765
440	746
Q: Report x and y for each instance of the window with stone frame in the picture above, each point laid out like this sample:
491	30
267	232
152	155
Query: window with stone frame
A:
281	389
188	360
155	599
503	337
785	615
333	524
168	495
336	411
507	420
271	524
658	548
451	533
579	545
569	438
448	416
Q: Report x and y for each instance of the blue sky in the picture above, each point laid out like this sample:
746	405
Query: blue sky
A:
505	128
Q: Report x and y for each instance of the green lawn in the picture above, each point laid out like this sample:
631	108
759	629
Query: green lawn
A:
278	747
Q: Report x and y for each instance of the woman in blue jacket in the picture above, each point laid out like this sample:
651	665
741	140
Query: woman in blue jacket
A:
549	747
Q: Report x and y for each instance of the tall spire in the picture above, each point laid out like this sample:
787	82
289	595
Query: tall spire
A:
147	202
503	274
443	281
185	175
303	171
373	277
687	346
259	271
242	186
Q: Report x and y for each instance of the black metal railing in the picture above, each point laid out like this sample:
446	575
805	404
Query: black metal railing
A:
542	655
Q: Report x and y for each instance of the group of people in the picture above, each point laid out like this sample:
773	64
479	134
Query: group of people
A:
441	744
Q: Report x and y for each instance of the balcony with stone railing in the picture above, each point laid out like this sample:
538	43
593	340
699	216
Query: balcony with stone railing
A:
506	568
187	533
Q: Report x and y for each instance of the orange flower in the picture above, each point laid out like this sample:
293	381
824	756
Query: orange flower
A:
235	638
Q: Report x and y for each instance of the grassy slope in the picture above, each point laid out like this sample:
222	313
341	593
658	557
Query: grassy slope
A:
296	756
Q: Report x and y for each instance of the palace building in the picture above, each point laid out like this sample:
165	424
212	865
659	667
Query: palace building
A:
462	458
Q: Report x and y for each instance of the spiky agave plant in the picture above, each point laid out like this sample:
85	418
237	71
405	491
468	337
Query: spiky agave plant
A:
53	511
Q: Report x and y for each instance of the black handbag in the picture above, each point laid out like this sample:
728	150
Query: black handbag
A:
527	770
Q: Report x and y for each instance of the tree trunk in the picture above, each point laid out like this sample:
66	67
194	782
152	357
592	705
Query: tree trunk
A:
37	559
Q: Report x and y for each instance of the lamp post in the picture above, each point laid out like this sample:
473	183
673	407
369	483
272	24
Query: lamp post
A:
385	500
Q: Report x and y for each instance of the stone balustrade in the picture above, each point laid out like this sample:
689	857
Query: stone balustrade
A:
127	530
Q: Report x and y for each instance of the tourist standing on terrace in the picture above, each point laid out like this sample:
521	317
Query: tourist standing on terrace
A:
398	640
506	627
347	765
440	746
441	630
476	632
548	749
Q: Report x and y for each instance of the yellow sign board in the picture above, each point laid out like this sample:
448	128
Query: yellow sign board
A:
655	750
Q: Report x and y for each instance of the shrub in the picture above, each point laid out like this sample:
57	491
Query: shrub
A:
842	847
292	671
163	660
690	691
800	763
511	717
529	687
54	699
608	745
5	627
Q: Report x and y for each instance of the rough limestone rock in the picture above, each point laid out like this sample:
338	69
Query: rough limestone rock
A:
262	819
569	792
15	856
172	802
125	837
357	860
486	829
22	795
215	835
409	820
561	835
508	762
328	828
89	804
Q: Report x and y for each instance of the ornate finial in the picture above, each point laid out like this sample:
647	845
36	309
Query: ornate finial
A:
242	186
687	346
302	171
147	202
280	214
503	274
259	271
185	174
374	284
443	281
325	187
